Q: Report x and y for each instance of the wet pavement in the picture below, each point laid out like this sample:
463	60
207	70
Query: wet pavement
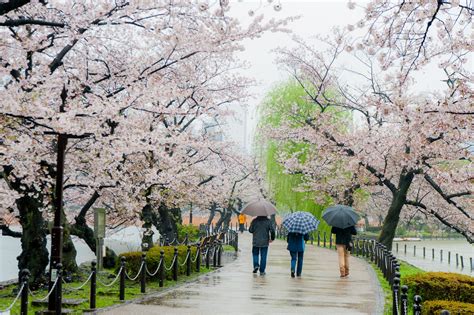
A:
234	289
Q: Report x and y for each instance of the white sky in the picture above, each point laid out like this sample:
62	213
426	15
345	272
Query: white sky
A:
316	17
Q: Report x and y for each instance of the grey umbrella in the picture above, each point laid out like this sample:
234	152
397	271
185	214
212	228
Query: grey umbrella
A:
340	216
259	208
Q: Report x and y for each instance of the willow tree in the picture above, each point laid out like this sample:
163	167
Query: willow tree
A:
284	159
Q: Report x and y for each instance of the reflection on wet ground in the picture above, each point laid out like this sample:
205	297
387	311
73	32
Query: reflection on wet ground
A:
234	289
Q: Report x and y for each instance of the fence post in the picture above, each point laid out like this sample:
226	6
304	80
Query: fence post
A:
175	264
25	275
414	250
441	255
417	305
457	259
330	241
449	257
58	289
188	262
432	254
470	261
208	247
186	239
319	238
122	279
219	257
405	248
93	285
462	262
396	287
404	300
161	272
143	275
424	252
396	247
214	254
324	240
198	258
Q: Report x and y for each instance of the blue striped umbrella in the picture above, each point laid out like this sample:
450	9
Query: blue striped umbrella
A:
300	222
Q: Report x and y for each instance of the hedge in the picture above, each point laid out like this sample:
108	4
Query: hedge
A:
134	260
441	286
455	308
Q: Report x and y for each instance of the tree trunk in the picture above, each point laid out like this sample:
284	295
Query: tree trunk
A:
166	222
34	255
69	250
212	214
393	216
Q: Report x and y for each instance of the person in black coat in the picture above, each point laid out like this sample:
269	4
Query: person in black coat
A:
343	243
263	234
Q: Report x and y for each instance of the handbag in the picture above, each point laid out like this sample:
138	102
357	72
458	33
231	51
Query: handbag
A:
350	246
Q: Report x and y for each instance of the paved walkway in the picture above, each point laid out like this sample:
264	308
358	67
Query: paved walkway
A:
234	289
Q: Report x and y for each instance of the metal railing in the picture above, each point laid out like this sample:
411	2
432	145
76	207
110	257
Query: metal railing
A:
211	245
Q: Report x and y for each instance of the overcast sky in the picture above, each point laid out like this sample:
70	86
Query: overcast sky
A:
316	17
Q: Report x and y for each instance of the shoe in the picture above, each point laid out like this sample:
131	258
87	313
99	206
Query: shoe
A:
262	273
299	276
292	274
255	270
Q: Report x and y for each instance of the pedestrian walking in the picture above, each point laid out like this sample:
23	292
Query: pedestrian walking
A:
242	220
344	246
296	246
263	234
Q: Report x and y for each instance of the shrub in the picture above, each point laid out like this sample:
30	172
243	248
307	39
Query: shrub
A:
191	230
455	308
134	260
441	286
374	229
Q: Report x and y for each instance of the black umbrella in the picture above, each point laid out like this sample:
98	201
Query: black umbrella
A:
340	216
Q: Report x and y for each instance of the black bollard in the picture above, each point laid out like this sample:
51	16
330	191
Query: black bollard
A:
395	288
470	262
208	257
330	240
405	249
324	239
462	262
319	238
175	265
219	256
214	254
92	295
457	260
122	279
414	250
161	272
396	247
449	257
25	275
143	274
441	255
417	305
188	262
58	290
198	258
424	252
432	254
404	301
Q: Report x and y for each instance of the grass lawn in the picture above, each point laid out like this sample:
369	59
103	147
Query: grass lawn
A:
106	296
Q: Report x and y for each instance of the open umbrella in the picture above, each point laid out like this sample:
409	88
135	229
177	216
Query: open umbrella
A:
340	216
300	222
259	208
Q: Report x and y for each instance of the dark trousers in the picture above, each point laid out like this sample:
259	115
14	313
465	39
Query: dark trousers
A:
297	256
262	252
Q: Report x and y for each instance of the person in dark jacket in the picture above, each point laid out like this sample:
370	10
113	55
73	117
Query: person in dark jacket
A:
263	234
343	242
296	247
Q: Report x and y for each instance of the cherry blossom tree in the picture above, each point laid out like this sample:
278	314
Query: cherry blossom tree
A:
415	143
122	83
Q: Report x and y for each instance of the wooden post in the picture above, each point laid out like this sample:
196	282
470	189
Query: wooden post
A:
25	274
122	279
161	272
143	274
175	264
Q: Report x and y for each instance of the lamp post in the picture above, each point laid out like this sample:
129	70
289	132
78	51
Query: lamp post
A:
99	233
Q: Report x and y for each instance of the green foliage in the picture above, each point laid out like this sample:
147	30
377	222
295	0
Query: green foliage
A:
288	103
458	308
134	260
441	286
191	230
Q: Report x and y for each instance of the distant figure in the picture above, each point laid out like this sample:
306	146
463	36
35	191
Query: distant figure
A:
296	247
263	234
343	244
242	220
